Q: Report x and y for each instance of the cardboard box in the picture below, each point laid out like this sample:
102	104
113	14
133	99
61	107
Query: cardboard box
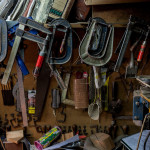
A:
102	2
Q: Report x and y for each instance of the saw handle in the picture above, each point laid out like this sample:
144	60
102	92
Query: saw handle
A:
38	65
141	52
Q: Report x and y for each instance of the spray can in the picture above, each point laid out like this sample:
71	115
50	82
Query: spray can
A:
48	138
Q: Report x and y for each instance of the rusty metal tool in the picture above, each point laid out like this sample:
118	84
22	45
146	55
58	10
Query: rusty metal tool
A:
132	68
135	25
115	104
55	100
63	114
63	26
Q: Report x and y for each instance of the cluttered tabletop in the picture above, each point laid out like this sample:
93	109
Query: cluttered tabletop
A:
74	74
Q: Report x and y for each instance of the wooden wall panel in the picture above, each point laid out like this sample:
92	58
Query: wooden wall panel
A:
119	13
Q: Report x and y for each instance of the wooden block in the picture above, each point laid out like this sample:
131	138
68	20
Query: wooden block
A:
14	136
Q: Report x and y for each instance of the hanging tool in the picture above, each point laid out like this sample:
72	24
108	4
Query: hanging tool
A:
3	39
60	25
55	100
99	51
95	108
143	46
99	35
6	6
41	58
105	94
115	105
12	58
63	114
136	43
57	76
63	26
91	85
132	68
20	33
134	25
30	7
17	11
12	27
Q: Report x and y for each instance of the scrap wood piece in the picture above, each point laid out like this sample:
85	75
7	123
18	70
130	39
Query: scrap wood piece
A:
22	97
67	136
15	140
15	136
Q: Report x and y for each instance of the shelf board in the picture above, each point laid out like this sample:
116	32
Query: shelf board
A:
84	25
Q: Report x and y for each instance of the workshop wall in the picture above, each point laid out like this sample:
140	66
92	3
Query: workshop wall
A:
73	116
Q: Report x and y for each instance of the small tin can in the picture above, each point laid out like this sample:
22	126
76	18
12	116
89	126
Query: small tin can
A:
48	138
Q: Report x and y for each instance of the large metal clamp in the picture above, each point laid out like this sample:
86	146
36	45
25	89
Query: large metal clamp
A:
64	26
31	35
97	45
135	25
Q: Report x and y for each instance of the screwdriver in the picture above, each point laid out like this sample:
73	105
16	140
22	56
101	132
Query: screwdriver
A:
141	52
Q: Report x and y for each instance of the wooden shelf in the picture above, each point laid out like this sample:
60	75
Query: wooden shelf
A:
80	25
84	24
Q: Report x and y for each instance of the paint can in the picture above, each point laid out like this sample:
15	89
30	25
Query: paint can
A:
48	138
